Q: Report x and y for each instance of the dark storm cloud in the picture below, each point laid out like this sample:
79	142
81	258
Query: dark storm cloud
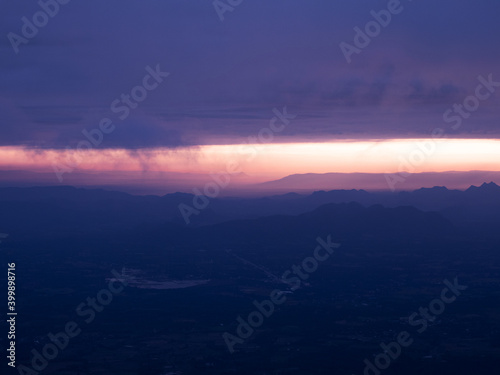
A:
226	77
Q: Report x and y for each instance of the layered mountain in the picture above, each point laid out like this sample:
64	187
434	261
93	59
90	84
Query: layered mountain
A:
68	208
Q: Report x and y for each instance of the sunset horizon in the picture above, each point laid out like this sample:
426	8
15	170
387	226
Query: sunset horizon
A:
251	187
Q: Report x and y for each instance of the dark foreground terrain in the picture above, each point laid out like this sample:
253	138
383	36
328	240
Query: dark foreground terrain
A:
188	288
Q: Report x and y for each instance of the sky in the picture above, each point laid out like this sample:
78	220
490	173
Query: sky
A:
206	78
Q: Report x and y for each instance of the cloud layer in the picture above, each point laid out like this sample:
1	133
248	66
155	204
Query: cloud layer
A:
226	77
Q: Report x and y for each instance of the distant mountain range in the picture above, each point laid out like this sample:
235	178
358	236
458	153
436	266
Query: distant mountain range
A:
160	183
310	182
73	209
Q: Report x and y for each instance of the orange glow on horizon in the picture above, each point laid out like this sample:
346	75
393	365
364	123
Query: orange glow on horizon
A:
273	160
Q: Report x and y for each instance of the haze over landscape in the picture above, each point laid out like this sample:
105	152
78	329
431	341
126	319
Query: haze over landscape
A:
250	186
